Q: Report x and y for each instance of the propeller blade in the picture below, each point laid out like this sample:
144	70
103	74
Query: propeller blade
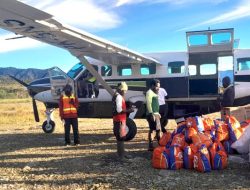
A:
36	115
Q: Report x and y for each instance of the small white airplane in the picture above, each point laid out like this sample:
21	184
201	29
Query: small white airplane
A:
192	78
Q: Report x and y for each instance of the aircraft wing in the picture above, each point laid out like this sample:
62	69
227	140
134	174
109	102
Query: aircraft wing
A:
28	21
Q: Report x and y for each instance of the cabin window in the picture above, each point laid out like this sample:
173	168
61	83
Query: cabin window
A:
192	69
176	67
243	64
197	40
106	70
148	69
124	70
208	69
221	38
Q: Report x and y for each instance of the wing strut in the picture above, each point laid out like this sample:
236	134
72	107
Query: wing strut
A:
96	74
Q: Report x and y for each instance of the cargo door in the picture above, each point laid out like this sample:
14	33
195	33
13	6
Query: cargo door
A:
206	50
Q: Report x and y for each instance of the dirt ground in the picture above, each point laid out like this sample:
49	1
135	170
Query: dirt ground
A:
30	159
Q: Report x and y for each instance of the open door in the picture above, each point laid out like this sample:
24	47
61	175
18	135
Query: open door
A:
225	68
58	79
209	50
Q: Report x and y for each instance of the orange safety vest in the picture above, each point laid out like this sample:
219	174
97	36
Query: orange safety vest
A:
69	108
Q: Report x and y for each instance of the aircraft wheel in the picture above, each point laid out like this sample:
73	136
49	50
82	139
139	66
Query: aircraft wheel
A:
48	127
131	130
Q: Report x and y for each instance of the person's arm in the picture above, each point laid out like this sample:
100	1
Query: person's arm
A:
118	101
119	106
165	94
149	102
61	107
76	103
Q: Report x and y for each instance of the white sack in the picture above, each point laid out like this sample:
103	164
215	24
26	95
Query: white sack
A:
243	143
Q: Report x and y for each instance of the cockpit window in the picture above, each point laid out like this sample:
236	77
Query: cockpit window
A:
57	74
75	70
106	70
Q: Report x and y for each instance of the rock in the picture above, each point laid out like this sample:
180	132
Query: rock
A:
164	173
26	168
89	181
236	159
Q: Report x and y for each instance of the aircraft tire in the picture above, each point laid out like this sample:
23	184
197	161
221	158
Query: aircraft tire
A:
132	130
48	128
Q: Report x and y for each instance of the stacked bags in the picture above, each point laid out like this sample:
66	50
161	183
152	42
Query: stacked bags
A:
198	143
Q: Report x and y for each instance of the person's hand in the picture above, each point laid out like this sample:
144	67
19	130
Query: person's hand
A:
129	110
156	115
151	117
63	121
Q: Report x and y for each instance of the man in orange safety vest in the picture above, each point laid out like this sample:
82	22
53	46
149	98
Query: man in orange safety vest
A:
68	105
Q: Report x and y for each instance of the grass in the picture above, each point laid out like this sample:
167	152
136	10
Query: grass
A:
18	112
10	89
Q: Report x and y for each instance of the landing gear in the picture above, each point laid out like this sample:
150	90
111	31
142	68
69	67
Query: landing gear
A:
48	125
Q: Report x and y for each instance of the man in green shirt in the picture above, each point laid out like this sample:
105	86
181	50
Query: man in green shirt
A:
153	116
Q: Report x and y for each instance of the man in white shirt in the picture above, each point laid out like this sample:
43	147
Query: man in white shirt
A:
162	96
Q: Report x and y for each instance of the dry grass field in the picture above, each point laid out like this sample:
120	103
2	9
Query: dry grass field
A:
30	159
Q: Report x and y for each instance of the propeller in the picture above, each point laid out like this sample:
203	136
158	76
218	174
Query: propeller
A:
36	115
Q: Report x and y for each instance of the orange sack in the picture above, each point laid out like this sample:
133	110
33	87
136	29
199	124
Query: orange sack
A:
179	140
202	160
175	157
218	156
165	138
160	160
200	139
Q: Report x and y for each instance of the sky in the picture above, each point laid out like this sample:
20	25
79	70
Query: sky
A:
140	25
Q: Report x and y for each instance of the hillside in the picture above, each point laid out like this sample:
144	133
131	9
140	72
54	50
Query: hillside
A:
23	74
9	88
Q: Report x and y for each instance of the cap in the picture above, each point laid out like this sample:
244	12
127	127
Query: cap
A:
123	86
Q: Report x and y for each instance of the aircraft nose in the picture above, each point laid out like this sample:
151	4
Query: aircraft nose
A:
31	92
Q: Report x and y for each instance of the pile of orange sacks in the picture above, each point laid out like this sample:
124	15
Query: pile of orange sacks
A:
198	143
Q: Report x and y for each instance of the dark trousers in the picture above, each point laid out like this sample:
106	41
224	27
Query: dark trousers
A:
164	116
74	123
152	127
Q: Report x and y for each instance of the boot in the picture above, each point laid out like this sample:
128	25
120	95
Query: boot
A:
158	135
150	146
150	140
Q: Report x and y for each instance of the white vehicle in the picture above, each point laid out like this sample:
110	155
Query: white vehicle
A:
192	79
